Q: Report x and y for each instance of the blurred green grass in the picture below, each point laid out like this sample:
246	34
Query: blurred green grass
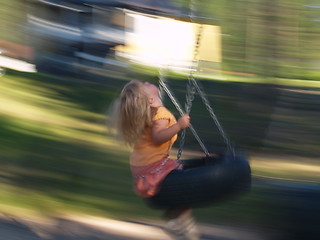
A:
57	157
55	148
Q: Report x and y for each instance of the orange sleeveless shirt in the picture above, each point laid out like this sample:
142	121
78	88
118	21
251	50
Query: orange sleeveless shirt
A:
145	151
150	162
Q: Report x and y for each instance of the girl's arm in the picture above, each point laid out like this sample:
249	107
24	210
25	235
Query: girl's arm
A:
162	134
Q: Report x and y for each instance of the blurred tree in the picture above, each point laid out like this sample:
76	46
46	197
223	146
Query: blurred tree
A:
268	38
13	20
279	38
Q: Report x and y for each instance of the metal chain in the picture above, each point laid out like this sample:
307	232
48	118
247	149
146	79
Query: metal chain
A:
213	116
195	62
193	85
192	11
193	69
165	88
192	88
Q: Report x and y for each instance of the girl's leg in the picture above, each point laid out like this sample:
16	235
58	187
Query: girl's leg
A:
201	181
181	225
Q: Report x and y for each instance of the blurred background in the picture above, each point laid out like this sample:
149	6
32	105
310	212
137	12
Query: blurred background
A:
62	64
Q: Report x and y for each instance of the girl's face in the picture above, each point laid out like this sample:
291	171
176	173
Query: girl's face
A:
151	90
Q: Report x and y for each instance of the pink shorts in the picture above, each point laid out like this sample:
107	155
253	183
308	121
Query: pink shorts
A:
147	179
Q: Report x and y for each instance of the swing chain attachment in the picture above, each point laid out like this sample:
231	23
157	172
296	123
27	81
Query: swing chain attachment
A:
192	88
193	69
213	116
165	88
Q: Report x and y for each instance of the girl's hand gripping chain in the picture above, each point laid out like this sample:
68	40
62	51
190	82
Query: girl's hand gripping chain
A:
184	121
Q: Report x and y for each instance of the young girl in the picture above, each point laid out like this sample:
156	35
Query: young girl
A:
151	129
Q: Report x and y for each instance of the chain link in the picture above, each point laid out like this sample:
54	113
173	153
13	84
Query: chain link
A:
213	116
192	88
165	88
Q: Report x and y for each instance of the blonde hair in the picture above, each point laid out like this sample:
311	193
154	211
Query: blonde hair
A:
132	112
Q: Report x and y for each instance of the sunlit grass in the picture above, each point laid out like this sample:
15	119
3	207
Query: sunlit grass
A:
294	169
36	110
41	104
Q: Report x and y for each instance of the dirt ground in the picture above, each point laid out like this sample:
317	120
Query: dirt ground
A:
94	228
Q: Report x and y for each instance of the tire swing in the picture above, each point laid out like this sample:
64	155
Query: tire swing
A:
230	171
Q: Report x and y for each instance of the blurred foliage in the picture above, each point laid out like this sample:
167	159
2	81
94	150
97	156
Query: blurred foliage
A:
268	38
13	20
